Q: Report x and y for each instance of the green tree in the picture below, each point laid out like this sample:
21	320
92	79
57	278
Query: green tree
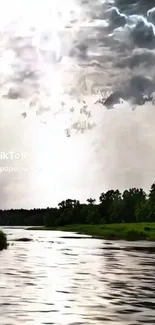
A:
151	195
69	211
51	217
143	212
151	203
91	201
131	198
93	215
116	211
106	201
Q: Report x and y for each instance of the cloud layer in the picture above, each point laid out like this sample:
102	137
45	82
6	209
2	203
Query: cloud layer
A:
56	75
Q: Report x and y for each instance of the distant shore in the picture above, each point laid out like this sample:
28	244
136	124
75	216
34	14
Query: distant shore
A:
125	231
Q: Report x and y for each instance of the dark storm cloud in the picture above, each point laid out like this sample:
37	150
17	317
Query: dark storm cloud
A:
137	91
151	15
124	51
95	46
134	6
79	51
116	19
143	35
137	58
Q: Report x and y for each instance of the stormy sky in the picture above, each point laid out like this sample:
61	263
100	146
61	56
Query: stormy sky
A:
77	85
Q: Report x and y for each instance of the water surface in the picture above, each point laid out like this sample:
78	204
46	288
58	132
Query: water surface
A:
62	281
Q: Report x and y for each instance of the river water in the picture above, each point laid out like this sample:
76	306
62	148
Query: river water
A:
62	279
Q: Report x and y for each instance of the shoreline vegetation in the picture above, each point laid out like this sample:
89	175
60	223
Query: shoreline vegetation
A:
130	231
128	215
3	240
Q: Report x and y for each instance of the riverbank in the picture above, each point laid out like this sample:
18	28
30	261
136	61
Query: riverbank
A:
127	231
3	240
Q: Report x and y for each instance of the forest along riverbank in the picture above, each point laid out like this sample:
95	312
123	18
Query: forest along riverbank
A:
127	231
127	215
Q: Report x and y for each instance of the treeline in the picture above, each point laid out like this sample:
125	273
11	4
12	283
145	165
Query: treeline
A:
133	205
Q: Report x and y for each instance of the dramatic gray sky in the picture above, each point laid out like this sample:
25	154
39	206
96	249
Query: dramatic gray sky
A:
55	61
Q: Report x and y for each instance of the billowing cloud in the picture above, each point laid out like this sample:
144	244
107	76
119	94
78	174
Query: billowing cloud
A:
53	71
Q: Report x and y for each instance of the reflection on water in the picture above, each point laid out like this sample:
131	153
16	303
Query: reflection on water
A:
58	280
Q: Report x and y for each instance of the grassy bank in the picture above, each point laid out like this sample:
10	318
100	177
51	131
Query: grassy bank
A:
3	240
127	231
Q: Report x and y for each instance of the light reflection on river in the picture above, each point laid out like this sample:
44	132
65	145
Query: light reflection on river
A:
58	280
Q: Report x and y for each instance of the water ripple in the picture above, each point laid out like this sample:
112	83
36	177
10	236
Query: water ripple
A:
82	282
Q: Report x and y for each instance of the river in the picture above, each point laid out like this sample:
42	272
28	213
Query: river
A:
65	279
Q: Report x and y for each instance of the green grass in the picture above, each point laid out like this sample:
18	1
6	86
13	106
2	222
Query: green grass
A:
3	240
127	231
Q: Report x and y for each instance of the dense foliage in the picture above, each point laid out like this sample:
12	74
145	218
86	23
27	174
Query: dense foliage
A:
133	205
3	240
